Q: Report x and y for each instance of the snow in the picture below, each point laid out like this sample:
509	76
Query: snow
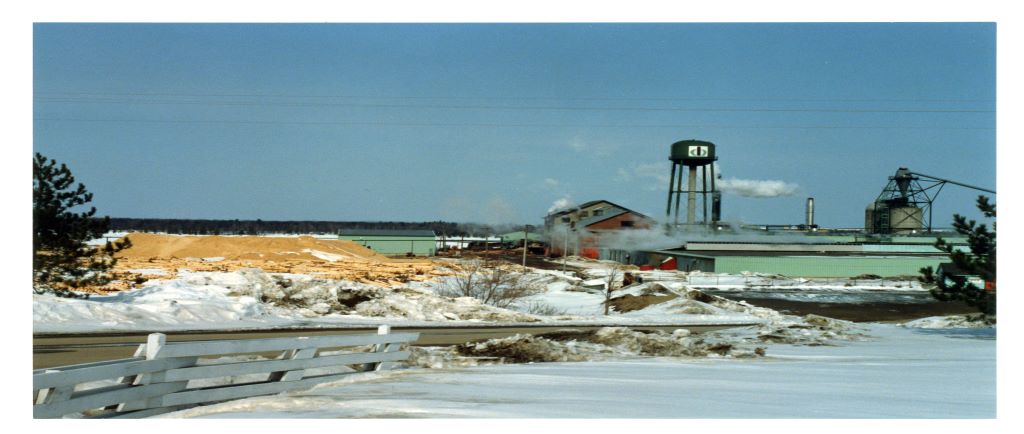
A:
783	366
251	299
248	299
150	271
951	322
331	257
898	373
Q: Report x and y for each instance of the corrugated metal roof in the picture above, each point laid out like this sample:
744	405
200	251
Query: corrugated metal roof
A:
605	216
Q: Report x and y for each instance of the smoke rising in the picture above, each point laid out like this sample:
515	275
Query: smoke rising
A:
756	188
560	204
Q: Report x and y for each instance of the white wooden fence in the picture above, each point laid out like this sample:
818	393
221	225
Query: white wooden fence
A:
161	376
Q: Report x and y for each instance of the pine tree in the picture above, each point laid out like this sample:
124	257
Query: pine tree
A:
61	261
981	262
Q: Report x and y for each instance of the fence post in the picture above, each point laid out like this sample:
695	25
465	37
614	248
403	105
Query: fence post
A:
383	329
155	344
54	394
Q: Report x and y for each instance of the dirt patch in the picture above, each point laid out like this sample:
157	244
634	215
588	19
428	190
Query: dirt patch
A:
629	302
864	312
569	346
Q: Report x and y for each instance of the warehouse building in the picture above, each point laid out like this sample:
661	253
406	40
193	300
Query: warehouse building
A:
584	224
515	239
835	259
394	242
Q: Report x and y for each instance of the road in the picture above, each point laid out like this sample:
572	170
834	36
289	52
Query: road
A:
49	350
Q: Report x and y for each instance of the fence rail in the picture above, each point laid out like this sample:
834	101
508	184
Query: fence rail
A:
163	377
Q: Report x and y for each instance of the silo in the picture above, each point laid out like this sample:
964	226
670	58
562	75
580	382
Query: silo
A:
869	218
906	219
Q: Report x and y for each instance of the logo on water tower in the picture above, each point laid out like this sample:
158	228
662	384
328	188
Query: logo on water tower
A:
697	151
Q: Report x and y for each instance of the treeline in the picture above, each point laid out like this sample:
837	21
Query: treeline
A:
258	227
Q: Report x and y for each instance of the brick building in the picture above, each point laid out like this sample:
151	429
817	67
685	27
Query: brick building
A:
585	223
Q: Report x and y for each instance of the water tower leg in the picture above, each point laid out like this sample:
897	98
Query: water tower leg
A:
691	196
704	193
671	180
679	189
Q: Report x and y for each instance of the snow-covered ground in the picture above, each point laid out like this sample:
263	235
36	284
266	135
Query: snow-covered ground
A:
784	366
248	299
897	373
251	299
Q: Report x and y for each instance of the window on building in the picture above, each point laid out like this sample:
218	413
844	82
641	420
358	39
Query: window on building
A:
627	223
565	219
583	214
598	212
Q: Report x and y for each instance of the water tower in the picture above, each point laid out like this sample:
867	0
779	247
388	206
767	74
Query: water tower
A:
696	156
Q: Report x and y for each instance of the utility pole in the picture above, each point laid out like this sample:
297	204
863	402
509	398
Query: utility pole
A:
526	240
565	247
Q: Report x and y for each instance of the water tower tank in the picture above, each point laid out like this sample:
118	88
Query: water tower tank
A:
906	219
693	152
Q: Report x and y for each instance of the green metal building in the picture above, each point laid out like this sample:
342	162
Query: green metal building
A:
832	256
393	242
807	265
517	237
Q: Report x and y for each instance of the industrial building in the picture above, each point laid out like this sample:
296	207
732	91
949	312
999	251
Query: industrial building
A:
513	239
897	240
831	256
393	242
584	224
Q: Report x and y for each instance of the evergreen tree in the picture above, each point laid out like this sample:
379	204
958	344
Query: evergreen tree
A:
981	262
61	261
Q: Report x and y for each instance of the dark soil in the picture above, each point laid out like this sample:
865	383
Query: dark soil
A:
865	312
515	256
629	302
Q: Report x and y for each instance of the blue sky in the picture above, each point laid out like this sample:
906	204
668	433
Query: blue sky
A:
494	122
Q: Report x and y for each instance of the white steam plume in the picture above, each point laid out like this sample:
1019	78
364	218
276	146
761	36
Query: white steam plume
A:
560	204
756	188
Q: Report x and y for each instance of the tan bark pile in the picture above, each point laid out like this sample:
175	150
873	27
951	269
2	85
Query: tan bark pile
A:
333	259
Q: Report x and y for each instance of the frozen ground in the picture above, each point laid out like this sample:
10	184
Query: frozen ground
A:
253	299
898	373
785	367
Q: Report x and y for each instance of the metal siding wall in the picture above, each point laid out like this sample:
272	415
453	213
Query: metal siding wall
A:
804	266
421	246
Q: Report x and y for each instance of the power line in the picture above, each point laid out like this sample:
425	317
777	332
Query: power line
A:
494	97
500	107
503	124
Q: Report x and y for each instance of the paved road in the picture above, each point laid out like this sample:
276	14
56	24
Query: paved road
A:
64	349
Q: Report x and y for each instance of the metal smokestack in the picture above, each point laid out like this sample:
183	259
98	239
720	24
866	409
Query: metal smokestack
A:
810	212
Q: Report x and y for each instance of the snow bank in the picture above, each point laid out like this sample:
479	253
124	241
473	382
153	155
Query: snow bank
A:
158	305
251	298
952	322
575	346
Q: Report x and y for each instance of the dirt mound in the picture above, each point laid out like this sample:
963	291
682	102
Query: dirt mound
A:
241	247
154	256
576	346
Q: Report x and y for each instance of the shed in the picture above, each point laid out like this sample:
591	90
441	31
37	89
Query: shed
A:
516	238
393	242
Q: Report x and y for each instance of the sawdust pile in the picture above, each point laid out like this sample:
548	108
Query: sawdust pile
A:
330	259
240	247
